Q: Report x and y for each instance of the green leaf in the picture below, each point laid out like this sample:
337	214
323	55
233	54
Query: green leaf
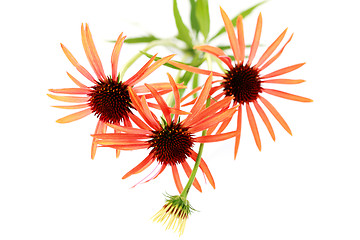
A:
193	19
184	34
203	17
144	39
243	14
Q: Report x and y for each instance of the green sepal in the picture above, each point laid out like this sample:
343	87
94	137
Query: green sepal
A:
233	20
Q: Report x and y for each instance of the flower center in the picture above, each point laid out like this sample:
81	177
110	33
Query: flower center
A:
242	82
171	145
110	101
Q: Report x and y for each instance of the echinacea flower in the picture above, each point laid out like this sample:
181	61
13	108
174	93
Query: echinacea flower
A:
175	212
171	141
108	97
245	81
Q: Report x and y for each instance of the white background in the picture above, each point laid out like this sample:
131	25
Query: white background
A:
304	186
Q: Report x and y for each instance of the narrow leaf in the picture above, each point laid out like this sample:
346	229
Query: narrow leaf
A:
184	34
144	39
193	20
203	17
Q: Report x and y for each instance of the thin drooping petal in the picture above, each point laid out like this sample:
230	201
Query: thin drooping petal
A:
172	110
139	122
276	56
141	166
195	69
121	137
88	53
158	86
265	119
177	178
283	71
241	40
115	56
192	92
199	100
253	126
164	107
287	95
80	68
77	82
176	96
100	128
129	130
204	168
94	52
217	52
275	113
71	90
234	44
153	67
215	138
131	81
188	171
256	41
73	106
158	173
223	125
284	81
75	116
70	99
238	130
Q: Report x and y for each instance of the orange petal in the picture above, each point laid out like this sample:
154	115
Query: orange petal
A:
94	52
131	81
215	138
234	44
71	90
188	171
255	43
253	126
70	99
204	168
276	56
192	92
282	71
80	68
275	113
141	166
271	49
157	86
287	95
240	31
223	125
88	52
164	107
77	82
139	122
149	115
75	116
177	178
176	95
217	52
73	106
284	81
265	119
115	57
129	130
195	69
238	129
100	128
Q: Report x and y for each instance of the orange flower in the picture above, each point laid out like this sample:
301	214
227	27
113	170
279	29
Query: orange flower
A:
108	97
170	142
244	81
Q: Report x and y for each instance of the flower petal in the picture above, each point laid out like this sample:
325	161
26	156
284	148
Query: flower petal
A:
177	178
282	71
100	128
188	171
217	52
215	138
75	116
195	69
240	31
141	166
255	43
270	49
253	126
73	106
164	107
131	81
115	56
265	119
70	99
287	95
238	129
204	168
71	90
77	82
275	113
284	81
234	44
